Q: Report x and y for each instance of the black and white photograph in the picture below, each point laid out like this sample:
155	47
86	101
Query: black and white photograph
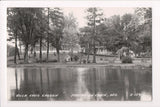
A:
79	54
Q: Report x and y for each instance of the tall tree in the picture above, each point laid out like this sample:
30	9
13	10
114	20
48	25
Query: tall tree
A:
57	26
27	19
110	33
48	37
41	29
85	41
122	30
70	37
13	31
94	17
145	28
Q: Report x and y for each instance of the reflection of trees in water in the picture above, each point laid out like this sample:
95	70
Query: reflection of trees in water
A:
92	82
130	84
16	79
48	81
59	84
122	82
81	86
41	81
62	82
113	84
103	81
135	83
100	80
126	85
30	83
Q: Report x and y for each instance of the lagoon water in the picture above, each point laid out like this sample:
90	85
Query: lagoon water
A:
79	84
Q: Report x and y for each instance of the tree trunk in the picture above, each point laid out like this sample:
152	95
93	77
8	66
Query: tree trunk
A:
48	38
88	57
40	49
94	52
94	35
47	49
71	52
20	49
58	56
72	46
31	51
26	54
18	54
88	52
15	50
34	51
80	57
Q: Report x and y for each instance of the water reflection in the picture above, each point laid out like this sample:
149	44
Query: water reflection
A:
80	84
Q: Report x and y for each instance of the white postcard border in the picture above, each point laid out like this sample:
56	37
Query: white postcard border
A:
155	56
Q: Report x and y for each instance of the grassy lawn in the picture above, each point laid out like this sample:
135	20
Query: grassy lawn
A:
100	60
53	58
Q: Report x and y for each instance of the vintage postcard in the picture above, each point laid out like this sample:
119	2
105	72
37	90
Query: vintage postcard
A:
79	52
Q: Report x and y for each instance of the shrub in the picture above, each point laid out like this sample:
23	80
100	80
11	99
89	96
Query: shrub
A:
54	60
84	61
76	57
126	59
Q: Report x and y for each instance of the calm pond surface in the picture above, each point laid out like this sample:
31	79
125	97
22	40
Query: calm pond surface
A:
79	84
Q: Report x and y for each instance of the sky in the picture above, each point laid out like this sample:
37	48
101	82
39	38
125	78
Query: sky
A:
80	14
